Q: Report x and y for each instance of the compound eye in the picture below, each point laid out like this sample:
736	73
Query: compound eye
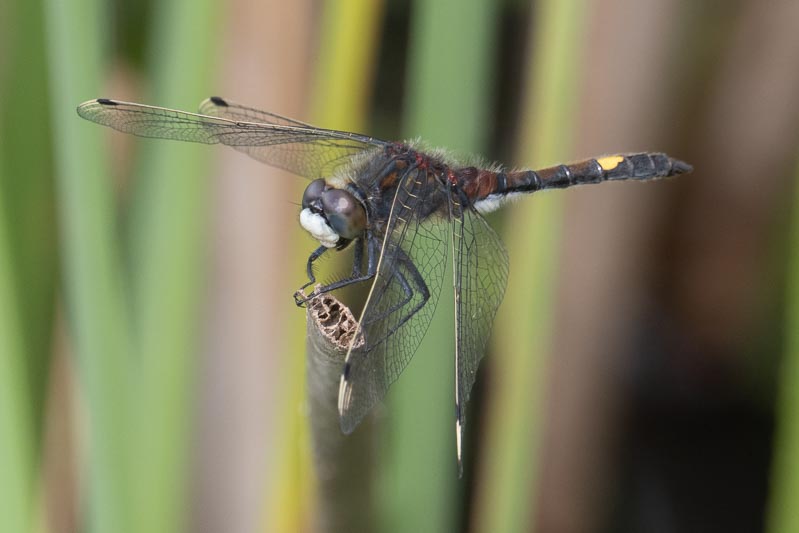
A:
344	213
313	192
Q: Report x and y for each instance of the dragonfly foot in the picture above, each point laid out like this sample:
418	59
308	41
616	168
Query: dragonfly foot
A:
301	299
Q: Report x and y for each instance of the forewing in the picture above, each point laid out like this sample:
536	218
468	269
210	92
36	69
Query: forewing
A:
316	153
224	108
400	305
480	265
284	143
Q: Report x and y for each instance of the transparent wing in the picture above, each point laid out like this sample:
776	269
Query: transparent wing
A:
401	302
224	108
284	143
480	270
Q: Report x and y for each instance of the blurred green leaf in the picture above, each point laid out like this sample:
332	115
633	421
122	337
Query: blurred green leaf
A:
449	90
27	259
26	181
168	254
346	64
506	491
16	413
342	86
783	513
94	287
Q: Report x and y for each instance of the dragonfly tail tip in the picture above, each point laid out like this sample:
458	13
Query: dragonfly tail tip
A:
681	167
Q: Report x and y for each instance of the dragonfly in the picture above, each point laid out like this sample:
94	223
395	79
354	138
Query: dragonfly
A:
405	210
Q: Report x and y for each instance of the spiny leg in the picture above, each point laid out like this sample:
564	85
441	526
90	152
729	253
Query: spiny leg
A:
316	254
355	277
414	280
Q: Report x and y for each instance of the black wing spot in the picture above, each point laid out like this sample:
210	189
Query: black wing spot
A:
346	372
106	101
218	101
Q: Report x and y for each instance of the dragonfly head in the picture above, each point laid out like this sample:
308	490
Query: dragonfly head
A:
332	216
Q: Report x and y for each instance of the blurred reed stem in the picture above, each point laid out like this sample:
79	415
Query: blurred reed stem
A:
347	51
344	463
27	259
507	489
345	69
28	191
169	244
93	278
449	83
783	512
16	415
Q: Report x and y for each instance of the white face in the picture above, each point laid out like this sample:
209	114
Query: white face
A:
317	226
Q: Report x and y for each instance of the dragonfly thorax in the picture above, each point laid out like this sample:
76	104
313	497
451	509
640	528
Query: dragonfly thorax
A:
332	216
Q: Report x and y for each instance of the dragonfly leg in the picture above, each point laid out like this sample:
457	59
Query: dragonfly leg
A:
300	298
418	282
412	283
299	295
406	288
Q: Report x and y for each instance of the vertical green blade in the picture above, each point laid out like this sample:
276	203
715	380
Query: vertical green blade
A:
16	415
169	243
506	490
27	183
342	75
783	513
449	88
27	257
94	288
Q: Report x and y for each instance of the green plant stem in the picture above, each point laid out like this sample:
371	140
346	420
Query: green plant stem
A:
169	225
94	289
448	102
346	63
344	463
783	513
28	190
521	341
16	438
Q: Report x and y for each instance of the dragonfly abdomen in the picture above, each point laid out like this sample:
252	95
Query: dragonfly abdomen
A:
641	166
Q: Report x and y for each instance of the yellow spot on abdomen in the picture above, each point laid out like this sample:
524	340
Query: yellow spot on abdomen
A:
610	162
